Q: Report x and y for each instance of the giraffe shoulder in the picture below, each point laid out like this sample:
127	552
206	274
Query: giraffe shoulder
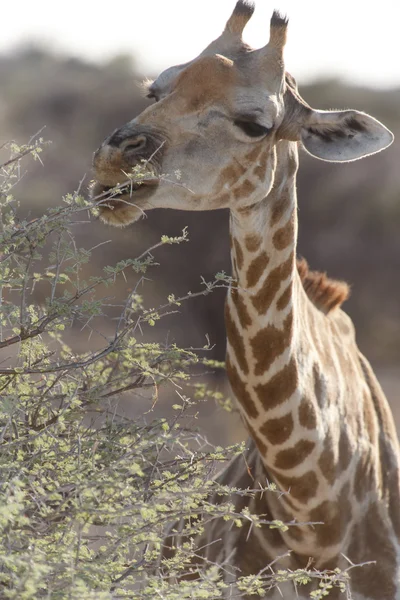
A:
325	293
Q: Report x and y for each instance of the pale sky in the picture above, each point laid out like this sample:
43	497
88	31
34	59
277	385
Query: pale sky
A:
357	40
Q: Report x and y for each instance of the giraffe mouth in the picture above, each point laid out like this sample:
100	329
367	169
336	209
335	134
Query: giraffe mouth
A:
125	193
124	203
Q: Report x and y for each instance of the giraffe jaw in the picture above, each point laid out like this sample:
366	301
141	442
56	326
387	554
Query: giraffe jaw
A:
122	204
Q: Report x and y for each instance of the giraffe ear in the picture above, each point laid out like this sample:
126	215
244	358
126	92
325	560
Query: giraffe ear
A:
342	136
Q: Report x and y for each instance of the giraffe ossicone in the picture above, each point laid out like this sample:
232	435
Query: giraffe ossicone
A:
230	121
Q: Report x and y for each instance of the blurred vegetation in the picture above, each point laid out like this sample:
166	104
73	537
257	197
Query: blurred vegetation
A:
349	214
87	493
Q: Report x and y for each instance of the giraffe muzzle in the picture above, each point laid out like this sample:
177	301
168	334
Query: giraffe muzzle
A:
126	169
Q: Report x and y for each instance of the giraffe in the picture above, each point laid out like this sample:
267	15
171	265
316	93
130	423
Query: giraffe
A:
231	121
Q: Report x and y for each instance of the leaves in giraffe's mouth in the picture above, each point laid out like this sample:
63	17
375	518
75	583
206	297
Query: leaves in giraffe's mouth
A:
127	188
121	191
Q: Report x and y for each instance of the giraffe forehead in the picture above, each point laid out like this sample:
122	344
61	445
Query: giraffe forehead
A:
207	79
218	79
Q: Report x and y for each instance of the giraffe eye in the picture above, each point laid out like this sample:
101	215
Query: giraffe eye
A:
251	128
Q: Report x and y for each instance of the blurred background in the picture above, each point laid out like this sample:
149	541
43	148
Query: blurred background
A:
74	68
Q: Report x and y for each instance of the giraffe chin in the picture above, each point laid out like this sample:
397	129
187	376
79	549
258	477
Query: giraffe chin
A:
122	209
120	214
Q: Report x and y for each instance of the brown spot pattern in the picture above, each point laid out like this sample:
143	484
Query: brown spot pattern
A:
240	390
295	533
283	300
280	208
329	532
238	253
326	461
235	340
229	175
269	343
262	300
252	242
278	431
259	170
301	488
244	190
289	502
256	269
240	305
307	414
319	384
292	457
335	517
282	512
257	440
253	154
345	450
241	309
285	235
279	388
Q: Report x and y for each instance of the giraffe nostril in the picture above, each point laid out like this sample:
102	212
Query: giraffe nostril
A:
135	144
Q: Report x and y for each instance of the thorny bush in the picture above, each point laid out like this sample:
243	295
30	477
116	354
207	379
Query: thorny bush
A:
86	494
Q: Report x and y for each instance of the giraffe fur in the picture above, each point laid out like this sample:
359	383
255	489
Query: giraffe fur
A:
232	122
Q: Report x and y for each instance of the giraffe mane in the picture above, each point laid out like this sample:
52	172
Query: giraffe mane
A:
325	293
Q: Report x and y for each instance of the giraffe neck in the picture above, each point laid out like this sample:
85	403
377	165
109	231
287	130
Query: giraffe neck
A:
261	304
266	321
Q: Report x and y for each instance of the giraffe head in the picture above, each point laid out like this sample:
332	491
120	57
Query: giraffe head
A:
216	121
